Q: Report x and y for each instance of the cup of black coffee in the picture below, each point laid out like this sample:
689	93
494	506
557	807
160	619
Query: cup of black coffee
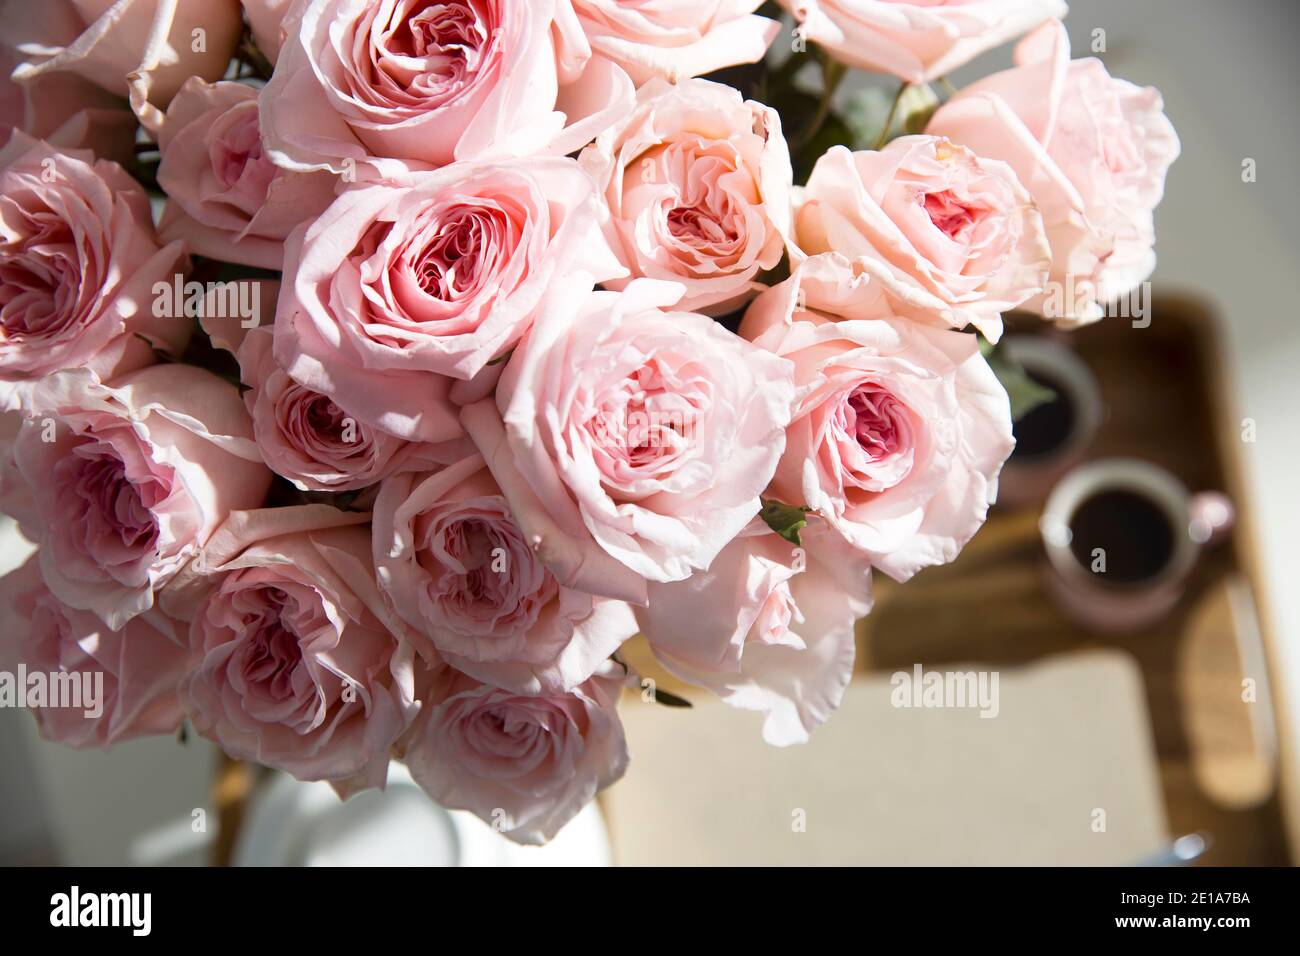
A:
1121	536
1052	437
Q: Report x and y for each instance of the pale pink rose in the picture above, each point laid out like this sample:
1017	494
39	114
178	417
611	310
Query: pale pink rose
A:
63	109
307	438
768	627
900	431
266	22
296	659
1093	152
304	435
145	47
524	764
635	441
361	82
697	183
137	669
130	479
459	571
225	197
945	237
78	259
917	40
671	39
395	288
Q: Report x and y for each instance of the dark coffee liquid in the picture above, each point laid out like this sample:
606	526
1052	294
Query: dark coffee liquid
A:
1043	430
1133	532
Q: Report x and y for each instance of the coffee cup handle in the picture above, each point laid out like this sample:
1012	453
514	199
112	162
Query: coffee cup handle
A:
1210	516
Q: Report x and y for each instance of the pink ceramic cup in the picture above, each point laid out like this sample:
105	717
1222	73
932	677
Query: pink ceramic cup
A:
1103	604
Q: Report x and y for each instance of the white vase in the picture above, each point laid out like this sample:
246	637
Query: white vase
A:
291	823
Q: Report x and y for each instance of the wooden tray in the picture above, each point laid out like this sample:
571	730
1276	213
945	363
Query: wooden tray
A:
1162	387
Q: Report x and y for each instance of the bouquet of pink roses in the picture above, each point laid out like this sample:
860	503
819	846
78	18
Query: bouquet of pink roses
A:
384	365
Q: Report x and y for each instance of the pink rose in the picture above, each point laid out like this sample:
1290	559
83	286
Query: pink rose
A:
131	673
635	442
305	437
524	764
430	83
669	38
946	237
394	288
63	109
145	47
697	183
302	434
225	198
1092	150
78	260
297	661
266	23
129	480
917	40
460	572
900	430
768	627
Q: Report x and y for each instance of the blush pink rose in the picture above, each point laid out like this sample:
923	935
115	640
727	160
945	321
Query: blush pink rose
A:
361	82
459	571
632	443
63	109
266	23
129	480
900	430
225	197
945	237
140	665
307	438
524	764
297	661
394	289
1092	150
671	39
78	259
302	434
145	47
917	40
768	627
697	183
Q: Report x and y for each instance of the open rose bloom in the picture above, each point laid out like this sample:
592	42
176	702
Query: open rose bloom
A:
943	236
381	368
79	257
1093	152
697	184
226	198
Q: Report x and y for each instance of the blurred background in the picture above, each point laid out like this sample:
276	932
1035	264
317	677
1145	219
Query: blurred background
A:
1108	747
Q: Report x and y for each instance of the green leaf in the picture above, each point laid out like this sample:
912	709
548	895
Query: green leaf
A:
785	520
1025	393
865	112
906	111
916	106
670	700
833	132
